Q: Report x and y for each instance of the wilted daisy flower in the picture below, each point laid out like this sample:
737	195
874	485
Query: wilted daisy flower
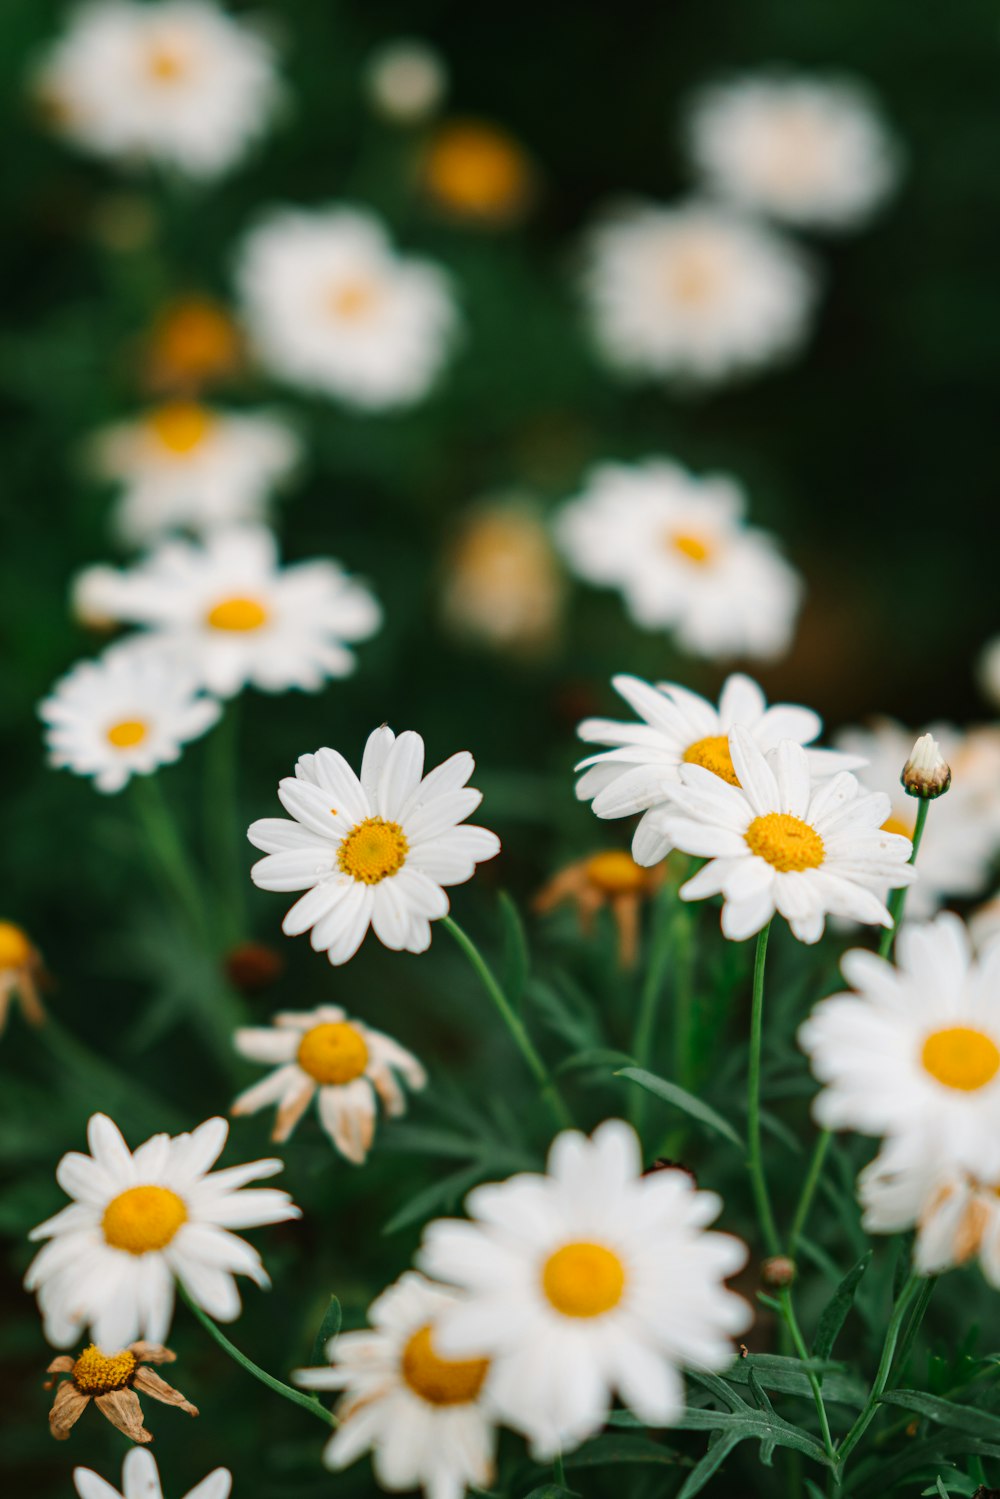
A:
176	82
678	549
20	971
422	1416
371	852
609	878
347	1064
127	713
694	293
141	1480
332	307
501	583
193	342
477	172
230	609
589	1282
113	1382
778	842
956	1215
808	151
140	1220
406	80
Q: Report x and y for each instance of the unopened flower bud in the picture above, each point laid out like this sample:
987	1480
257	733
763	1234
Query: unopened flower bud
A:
777	1272
926	773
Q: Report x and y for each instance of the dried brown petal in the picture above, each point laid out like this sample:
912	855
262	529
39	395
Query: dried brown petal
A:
151	1384
291	1112
152	1353
123	1410
67	1408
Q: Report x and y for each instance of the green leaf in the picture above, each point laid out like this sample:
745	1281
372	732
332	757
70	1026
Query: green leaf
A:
709	1465
595	1056
757	1391
835	1312
681	1099
790	1376
745	1424
617	1449
965	1418
516	958
439	1194
328	1328
549	1491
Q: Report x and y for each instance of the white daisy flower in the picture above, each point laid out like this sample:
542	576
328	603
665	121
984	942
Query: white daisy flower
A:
779	843
695	293
371	852
186	467
406	80
423	1416
589	1282
956	1215
680	728
138	1222
177	83
349	1065
127	713
141	1480
240	618
678	549
914	1053
332	307
961	837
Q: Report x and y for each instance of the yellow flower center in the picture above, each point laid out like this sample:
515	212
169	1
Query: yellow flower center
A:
237	614
97	1373
333	1053
960	1057
476	169
692	276
900	825
615	872
180	426
713	753
693	548
129	732
165	64
194	338
142	1219
441	1381
373	850
785	841
354	299
583	1280
15	949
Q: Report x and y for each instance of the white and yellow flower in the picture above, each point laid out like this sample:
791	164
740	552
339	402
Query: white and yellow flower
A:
342	1063
138	1222
141	1480
332	307
956	1214
589	1282
679	550
502	583
375	851
422	1416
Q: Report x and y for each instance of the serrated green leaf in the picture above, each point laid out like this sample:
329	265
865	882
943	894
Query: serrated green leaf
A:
682	1099
619	1449
966	1418
757	1391
790	1376
835	1312
709	1465
328	1328
750	1424
516	958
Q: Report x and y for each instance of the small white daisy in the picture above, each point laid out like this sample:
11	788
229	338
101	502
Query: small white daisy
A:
332	307
695	293
241	619
680	728
423	1416
349	1065
679	550
502	585
371	852
589	1282
127	713
140	1220
779	843
406	80
804	150
176	82
914	1054
141	1480
956	1215
186	467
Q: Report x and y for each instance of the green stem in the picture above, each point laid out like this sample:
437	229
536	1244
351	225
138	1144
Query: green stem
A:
808	1190
755	1160
559	1470
867	1415
513	1022
228	842
792	1323
160	831
897	900
649	1001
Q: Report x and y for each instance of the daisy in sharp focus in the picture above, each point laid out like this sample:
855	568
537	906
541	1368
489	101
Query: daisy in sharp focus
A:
678	548
141	1220
779	843
695	293
141	1480
177	83
228	607
332	307
422	1416
113	1382
588	1282
680	728
375	851
342	1063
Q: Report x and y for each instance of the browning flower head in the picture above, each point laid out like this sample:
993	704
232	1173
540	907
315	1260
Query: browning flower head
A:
609	878
253	966
926	773
21	972
112	1381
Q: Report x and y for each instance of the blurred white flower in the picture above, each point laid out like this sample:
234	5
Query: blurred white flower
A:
988	671
332	307
812	152
678	548
502	582
695	293
141	1480
956	1214
174	82
406	80
94	596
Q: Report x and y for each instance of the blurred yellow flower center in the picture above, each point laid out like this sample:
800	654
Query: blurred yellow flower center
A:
786	842
960	1057
97	1373
180	426
583	1280
898	825
129	732
195	338
143	1218
692	276
441	1381
165	64
694	548
373	850
477	169
15	949
712	752
237	614
353	299
615	872
333	1053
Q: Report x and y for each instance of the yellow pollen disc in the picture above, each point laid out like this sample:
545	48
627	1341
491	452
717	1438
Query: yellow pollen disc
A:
692	277
237	614
476	169
353	300
694	548
333	1053
898	825
180	426
165	64
786	842
129	732
373	850
441	1381
583	1280
142	1219
15	949
960	1057
97	1373
195	338
713	753
615	872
